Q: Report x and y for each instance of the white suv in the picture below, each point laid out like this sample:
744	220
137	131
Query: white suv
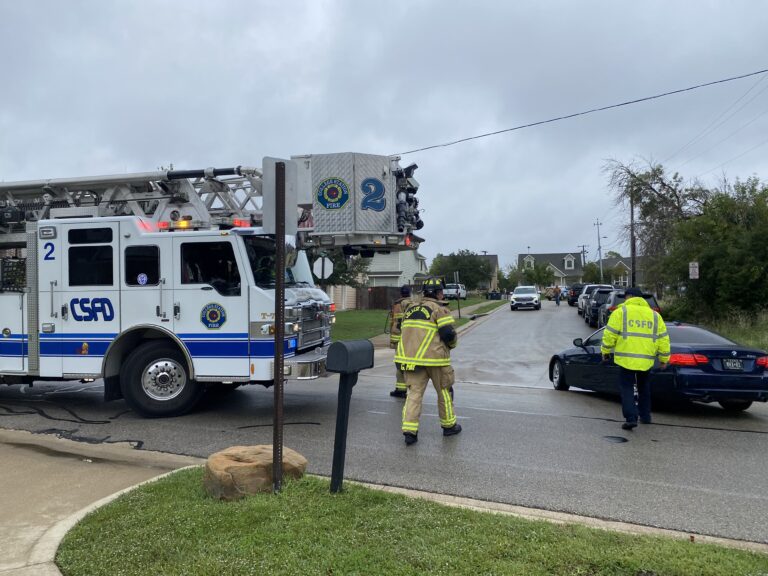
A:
454	292
525	297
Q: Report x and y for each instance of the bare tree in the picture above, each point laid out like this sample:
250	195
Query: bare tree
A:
656	202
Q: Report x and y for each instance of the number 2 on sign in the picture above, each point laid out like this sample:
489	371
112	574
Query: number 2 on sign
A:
373	195
49	255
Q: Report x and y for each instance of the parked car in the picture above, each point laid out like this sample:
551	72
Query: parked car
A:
455	291
703	367
573	293
596	300
586	292
525	297
615	298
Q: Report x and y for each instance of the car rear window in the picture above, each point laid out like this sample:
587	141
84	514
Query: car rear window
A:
695	335
452	286
600	297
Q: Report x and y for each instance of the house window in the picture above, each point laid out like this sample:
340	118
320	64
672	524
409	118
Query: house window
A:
569	263
529	263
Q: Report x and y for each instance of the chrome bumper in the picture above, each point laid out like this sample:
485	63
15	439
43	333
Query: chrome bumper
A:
306	366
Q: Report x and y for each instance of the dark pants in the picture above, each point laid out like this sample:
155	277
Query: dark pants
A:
627	381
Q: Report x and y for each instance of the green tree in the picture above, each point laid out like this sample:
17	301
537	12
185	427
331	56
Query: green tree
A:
612	254
473	270
591	273
728	240
347	270
509	278
539	276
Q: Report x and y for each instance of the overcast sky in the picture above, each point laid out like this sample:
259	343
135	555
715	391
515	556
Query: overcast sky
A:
96	87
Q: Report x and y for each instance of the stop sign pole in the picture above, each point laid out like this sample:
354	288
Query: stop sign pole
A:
277	426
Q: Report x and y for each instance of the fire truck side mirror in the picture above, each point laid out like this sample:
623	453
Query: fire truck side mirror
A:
349	356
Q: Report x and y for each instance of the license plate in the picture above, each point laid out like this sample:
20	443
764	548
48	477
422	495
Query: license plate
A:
732	364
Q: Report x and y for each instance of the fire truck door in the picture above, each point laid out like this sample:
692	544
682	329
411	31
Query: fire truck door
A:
50	253
90	307
211	305
146	279
13	336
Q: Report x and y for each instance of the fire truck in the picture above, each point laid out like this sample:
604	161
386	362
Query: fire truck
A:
163	283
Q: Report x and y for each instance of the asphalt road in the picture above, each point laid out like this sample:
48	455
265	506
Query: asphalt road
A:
695	469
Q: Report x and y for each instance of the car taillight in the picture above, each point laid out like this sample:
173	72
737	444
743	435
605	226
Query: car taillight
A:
688	359
656	309
762	361
612	308
333	307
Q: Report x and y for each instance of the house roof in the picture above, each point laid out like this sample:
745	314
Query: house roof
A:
557	260
493	259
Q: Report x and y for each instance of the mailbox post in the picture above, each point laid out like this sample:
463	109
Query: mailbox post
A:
346	358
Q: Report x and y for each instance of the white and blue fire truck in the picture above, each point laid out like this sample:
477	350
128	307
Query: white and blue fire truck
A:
162	283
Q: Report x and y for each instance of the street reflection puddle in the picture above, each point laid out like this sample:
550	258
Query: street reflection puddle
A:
615	439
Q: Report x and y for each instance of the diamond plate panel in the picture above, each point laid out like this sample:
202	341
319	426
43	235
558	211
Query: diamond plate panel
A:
332	176
374	194
352	193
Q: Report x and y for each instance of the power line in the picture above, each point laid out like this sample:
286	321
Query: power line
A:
583	113
714	125
731	135
763	143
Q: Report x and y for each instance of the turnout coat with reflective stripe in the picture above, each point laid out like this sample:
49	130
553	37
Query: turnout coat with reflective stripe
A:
636	335
398	309
420	343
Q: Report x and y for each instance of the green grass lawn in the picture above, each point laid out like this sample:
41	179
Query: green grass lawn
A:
171	527
472	300
358	324
490	307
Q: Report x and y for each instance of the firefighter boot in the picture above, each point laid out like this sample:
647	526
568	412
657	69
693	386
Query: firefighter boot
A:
398	393
410	438
452	431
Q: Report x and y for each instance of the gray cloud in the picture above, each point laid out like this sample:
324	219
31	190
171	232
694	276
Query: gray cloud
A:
100	87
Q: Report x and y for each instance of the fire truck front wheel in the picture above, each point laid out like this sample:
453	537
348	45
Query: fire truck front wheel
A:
155	381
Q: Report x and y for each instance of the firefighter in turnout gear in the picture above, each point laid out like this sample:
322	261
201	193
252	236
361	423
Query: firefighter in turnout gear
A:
398	309
424	354
636	335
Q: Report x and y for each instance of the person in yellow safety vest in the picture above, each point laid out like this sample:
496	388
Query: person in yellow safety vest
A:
399	307
424	353
636	335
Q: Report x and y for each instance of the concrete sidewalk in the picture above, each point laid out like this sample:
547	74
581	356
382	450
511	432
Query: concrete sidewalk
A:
50	483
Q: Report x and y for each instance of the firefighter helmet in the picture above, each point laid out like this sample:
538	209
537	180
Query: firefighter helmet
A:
431	286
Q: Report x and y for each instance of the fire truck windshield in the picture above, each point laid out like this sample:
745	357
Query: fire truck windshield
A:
261	257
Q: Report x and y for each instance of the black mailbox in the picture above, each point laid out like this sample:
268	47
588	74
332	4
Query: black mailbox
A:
347	358
350	356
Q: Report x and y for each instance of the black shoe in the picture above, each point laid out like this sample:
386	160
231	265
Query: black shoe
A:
629	425
410	438
397	393
455	429
648	421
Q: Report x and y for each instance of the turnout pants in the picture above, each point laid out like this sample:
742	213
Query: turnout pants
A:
628	379
416	381
399	376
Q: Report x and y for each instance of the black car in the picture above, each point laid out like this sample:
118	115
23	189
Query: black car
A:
592	306
616	298
573	293
703	366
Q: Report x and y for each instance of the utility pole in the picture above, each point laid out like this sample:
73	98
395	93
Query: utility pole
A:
632	250
599	248
583	253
